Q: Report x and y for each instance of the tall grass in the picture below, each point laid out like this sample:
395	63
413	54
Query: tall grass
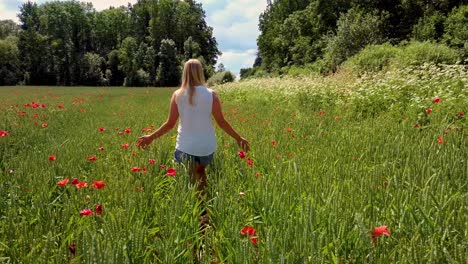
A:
346	158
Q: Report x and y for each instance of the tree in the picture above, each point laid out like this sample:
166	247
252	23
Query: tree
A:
168	73
128	64
221	68
8	28
9	61
93	75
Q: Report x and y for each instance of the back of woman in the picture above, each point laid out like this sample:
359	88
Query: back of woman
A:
196	134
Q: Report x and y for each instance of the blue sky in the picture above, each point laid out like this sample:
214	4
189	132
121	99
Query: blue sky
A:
235	24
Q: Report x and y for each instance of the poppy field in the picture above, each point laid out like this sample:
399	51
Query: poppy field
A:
342	169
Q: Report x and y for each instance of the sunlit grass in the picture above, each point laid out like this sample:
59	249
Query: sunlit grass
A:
344	161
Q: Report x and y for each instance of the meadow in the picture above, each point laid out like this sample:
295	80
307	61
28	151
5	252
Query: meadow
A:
333	160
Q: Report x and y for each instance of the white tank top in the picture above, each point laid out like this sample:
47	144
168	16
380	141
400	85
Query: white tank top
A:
196	134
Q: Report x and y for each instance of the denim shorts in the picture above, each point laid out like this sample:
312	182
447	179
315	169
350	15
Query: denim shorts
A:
182	157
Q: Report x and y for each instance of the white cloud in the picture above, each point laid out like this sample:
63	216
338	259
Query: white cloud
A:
236	60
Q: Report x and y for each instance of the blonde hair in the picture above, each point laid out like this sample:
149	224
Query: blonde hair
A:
192	76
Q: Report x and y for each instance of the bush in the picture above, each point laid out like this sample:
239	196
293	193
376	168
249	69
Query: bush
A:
419	53
221	78
373	58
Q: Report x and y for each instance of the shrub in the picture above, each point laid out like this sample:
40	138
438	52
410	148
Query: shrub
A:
221	78
419	53
373	58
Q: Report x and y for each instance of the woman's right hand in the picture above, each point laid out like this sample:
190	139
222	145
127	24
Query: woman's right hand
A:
243	144
144	141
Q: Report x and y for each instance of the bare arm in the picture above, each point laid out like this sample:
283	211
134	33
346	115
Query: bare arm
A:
224	124
166	127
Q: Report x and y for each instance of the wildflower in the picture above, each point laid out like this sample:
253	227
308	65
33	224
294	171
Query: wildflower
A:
98	185
74	181
428	111
461	114
128	131
378	231
273	143
62	182
101	148
99	209
136	169
151	161
125	146
258	174
52	158
440	140
72	248
101	129
248	231
80	185
162	166
44	125
254	240
250	162
416	126
92	158
241	154
4	133
436	100
60	106
171	172
86	212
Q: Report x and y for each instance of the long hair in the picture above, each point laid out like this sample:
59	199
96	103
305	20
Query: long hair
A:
192	76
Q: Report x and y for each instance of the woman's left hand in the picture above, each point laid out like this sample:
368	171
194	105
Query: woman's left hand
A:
144	141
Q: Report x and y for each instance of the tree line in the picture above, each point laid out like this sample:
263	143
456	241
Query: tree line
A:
70	43
324	33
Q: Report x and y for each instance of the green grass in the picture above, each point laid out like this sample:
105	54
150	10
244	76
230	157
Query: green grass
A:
347	159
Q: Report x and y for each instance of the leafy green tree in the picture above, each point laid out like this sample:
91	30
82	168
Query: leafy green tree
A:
9	61
456	30
168	73
8	28
128	64
356	29
93	64
429	27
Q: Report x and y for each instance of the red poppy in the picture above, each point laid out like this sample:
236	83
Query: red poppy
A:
98	185
92	158
145	170
86	212
52	158
99	209
416	126
136	169
80	185
250	162
72	248
162	166
254	240
440	140
258	174
428	111
273	143
461	114
436	100
120	133
4	133
101	148
62	182
101	129
44	125
241	154
125	146
75	181
43	105
60	106
378	231
151	161
248	230
83	110
128	131
171	172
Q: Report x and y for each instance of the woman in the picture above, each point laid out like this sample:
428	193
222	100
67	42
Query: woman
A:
194	103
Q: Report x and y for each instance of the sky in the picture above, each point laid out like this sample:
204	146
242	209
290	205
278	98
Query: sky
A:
235	24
